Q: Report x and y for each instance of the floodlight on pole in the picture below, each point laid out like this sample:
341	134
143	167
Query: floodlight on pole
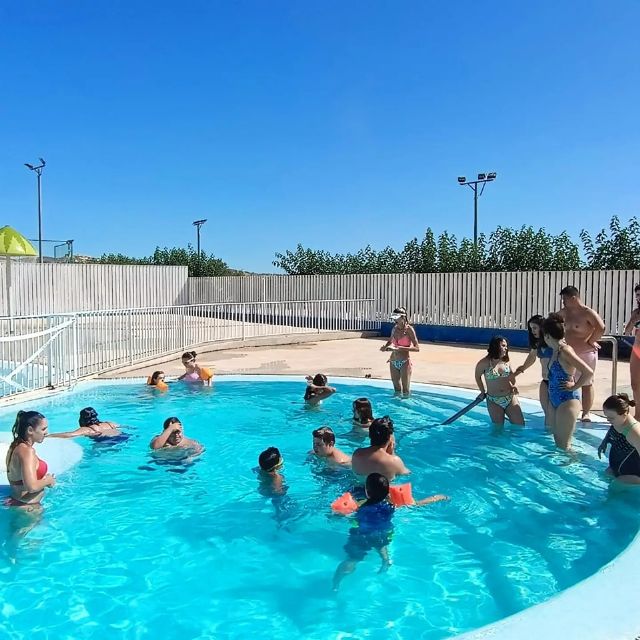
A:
483	178
197	224
38	170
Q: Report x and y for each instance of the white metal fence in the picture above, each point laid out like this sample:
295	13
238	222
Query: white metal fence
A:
56	350
500	300
38	289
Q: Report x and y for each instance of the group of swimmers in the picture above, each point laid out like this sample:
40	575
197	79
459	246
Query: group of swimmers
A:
565	343
28	475
373	499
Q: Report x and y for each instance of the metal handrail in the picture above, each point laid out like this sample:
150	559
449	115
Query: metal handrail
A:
182	306
614	361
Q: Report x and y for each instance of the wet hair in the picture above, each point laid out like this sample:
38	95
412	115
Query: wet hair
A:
380	431
171	420
156	375
570	291
494	348
553	325
269	458
534	342
377	487
619	403
325	434
319	380
363	408
24	420
88	417
189	355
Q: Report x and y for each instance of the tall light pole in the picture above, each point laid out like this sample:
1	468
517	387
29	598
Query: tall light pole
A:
197	224
38	169
483	178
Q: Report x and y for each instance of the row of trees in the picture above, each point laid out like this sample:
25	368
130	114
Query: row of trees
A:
525	249
199	265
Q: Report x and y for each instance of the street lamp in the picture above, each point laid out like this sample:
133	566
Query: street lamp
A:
197	224
483	178
38	169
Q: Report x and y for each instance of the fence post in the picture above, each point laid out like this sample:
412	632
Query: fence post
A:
183	329
75	349
49	355
244	318
130	336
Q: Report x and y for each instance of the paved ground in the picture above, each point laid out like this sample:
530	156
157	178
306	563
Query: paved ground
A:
435	363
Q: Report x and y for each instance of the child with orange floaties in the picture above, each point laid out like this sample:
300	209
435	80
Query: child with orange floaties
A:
157	380
374	521
194	373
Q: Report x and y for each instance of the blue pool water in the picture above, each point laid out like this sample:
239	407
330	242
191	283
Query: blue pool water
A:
128	548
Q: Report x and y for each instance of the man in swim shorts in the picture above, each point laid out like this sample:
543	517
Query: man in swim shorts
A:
583	328
324	441
380	456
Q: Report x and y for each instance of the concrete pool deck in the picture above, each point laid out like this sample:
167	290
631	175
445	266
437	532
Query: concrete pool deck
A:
443	364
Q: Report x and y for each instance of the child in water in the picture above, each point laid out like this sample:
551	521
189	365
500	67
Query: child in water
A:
317	389
362	415
374	527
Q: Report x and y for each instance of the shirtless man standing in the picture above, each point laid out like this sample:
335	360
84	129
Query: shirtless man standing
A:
583	327
380	457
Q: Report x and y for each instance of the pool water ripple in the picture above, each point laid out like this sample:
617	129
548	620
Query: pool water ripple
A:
130	548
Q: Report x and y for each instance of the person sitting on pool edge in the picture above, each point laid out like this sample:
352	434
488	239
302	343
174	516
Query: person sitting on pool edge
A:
317	389
194	373
172	437
324	441
375	527
92	427
380	456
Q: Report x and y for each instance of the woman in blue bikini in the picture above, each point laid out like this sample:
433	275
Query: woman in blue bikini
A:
501	394
402	342
564	397
538	350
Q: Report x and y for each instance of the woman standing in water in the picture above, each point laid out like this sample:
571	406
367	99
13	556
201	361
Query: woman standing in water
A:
501	395
27	474
538	350
564	397
402	343
633	329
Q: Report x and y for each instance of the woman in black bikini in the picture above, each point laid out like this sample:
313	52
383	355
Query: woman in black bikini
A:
624	438
92	427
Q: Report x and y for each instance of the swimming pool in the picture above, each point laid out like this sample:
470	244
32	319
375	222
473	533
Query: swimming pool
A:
130	548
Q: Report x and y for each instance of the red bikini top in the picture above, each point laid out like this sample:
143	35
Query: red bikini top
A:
41	472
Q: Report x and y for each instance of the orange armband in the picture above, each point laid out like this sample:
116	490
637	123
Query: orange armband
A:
345	504
400	495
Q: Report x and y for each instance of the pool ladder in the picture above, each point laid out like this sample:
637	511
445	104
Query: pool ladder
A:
614	361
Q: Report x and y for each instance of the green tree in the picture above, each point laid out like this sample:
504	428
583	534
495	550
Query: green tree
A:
198	265
615	248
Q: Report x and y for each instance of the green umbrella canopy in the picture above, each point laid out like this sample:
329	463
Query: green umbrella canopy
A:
13	243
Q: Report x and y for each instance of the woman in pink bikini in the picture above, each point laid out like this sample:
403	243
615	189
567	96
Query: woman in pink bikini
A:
402	342
194	373
27	474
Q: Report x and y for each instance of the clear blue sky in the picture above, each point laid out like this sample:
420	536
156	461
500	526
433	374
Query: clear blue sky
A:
332	123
